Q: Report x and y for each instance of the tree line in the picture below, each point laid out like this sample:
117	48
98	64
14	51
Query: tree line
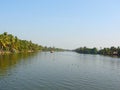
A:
52	49
10	43
105	51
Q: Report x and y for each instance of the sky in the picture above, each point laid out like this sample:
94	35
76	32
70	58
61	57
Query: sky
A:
65	24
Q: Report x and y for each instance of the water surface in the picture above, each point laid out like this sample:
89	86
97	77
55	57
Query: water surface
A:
59	71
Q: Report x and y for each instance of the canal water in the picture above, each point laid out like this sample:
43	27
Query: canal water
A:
59	71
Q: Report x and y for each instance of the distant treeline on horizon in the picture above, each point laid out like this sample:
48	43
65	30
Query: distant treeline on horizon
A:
105	51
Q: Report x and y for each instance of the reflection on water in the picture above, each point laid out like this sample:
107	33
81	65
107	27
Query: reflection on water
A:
9	61
59	71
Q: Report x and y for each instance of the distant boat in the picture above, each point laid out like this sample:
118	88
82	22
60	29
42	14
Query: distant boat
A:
51	51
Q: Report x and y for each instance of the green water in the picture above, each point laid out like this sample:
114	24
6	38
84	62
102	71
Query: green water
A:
59	71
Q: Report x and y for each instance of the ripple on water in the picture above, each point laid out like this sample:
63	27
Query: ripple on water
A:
61	71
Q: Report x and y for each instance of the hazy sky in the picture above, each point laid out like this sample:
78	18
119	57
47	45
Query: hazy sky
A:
63	23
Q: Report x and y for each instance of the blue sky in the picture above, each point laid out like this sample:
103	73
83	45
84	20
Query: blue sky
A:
63	23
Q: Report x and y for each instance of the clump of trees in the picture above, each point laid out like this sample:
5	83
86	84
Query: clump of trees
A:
105	51
110	51
10	43
86	50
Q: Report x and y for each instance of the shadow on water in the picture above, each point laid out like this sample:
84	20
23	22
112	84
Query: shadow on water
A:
8	62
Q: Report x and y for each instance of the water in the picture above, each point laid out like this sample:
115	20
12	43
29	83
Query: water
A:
59	71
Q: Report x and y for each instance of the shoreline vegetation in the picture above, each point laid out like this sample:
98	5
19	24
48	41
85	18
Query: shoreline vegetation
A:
112	51
12	44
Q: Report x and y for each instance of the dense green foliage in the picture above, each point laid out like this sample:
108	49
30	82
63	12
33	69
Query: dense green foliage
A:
86	50
9	43
110	51
105	51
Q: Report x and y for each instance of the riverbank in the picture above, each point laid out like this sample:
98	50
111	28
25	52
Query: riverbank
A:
4	52
112	51
8	52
